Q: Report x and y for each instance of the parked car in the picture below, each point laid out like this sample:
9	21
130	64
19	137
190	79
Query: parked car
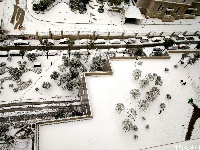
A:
180	37
115	41
21	42
122	50
174	47
84	51
99	41
14	52
190	38
112	51
144	39
64	41
51	41
52	52
156	39
130	40
167	37
3	54
84	41
183	46
37	52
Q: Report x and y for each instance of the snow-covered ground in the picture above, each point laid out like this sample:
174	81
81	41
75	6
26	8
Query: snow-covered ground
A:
59	19
104	131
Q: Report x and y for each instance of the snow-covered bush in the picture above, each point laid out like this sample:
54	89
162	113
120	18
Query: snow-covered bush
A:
137	74
132	113
168	96
70	85
135	93
143	105
9	58
15	73
73	72
36	70
158	81
149	77
31	56
46	85
127	125
74	62
119	107
97	64
144	83
54	75
62	68
2	64
2	70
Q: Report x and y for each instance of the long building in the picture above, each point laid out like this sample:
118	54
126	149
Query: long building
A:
169	10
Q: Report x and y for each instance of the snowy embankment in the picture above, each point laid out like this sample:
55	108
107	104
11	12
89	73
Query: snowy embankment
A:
104	131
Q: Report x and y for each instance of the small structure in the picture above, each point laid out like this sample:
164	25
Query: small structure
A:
37	64
131	17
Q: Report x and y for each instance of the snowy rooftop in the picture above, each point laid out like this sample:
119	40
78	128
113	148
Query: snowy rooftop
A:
133	12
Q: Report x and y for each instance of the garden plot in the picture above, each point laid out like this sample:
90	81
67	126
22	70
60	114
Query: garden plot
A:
53	63
24	94
105	130
62	12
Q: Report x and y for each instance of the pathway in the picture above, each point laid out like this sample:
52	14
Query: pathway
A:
195	116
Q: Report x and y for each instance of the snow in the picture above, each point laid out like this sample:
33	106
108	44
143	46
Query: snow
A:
104	131
105	22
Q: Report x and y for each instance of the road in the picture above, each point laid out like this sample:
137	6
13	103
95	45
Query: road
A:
99	46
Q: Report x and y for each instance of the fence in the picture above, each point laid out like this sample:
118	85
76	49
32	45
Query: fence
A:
106	35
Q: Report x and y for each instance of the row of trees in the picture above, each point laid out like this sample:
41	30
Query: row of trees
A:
192	59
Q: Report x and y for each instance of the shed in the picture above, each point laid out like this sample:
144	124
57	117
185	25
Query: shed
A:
133	15
37	64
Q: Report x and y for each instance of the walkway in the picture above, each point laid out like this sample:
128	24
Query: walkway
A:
195	116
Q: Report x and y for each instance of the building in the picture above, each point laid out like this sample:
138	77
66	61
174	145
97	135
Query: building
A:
169	10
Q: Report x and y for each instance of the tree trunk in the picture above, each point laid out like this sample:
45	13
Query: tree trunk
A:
186	65
47	55
69	51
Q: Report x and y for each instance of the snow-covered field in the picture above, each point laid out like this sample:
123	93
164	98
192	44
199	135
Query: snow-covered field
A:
104	131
